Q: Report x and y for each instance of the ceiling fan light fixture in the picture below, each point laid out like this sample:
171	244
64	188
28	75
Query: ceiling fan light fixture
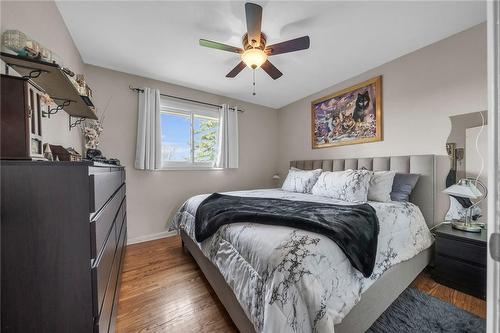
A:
254	58
255	50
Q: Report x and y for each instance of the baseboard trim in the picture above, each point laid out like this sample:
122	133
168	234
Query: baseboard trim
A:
151	237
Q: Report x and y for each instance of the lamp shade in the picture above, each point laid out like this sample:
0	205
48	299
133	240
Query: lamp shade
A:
254	58
276	177
475	190
463	191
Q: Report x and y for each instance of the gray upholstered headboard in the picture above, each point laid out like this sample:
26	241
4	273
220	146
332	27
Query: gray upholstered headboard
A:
427	193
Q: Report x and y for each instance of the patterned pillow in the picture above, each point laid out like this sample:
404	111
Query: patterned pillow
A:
300	181
381	186
349	185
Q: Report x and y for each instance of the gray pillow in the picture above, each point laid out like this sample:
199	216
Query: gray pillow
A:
403	185
381	186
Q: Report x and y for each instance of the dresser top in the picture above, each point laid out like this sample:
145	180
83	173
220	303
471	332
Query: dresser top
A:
59	163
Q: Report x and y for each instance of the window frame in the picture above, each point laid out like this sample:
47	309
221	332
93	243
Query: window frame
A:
191	112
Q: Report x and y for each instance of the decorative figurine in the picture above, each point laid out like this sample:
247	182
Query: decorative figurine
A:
47	153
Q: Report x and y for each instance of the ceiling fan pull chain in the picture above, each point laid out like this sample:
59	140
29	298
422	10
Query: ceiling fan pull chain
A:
253	82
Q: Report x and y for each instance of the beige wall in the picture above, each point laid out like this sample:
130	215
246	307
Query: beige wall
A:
420	91
42	21
152	197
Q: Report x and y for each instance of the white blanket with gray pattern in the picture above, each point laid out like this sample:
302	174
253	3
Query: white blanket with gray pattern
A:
290	280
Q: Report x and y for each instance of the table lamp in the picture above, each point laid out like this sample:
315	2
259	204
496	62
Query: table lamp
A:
466	188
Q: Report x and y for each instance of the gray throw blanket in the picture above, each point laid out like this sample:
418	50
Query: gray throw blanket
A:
354	228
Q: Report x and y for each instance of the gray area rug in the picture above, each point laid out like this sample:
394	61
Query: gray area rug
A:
415	311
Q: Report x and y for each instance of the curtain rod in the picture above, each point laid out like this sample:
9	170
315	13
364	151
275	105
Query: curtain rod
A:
139	90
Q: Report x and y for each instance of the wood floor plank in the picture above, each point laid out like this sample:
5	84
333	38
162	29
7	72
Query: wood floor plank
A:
163	290
425	283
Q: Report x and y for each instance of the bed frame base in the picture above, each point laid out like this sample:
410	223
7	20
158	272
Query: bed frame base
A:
376	299
373	303
219	285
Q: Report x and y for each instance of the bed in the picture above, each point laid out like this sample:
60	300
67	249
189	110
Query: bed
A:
281	279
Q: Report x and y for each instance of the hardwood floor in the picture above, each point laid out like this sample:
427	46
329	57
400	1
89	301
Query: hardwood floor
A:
163	290
425	283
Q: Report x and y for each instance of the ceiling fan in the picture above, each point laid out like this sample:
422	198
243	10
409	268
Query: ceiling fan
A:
255	52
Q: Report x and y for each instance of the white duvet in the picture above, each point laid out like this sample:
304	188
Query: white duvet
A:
290	280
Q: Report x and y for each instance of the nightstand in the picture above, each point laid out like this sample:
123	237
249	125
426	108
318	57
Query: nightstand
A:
460	260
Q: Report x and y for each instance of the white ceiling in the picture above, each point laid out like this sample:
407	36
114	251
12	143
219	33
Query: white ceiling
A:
160	40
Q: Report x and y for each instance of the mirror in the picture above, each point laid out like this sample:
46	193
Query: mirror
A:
467	148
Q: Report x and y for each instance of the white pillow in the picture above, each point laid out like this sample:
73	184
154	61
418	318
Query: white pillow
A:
300	181
349	185
381	186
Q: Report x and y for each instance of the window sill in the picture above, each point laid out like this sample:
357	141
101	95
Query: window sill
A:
187	168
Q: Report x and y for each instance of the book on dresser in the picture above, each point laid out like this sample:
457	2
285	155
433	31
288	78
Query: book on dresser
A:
63	236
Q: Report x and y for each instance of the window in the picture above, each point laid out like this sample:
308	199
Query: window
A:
189	135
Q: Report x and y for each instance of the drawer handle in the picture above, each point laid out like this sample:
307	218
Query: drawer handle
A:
495	246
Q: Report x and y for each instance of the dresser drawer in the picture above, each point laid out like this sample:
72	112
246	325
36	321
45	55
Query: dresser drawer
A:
122	240
123	220
114	311
107	305
121	253
461	250
102	270
102	186
101	224
107	315
460	275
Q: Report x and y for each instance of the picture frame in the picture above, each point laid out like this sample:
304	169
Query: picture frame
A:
350	116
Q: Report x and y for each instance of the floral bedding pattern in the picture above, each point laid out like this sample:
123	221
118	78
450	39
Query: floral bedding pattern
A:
290	280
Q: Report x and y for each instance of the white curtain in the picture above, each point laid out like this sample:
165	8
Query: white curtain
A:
228	139
148	150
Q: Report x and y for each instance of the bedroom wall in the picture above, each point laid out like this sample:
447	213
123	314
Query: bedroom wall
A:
152	197
420	91
42	21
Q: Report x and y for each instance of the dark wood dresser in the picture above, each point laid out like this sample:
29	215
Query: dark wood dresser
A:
63	234
460	260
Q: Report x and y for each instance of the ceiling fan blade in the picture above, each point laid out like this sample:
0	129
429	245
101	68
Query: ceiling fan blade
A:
236	70
271	70
291	45
254	21
219	46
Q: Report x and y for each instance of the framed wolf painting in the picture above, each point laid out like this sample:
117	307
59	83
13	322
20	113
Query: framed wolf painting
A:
350	116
